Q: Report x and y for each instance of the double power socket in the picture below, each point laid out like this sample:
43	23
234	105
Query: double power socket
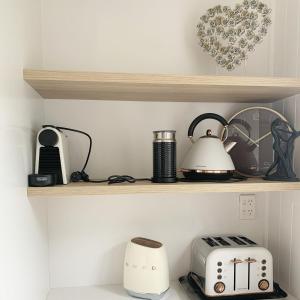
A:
247	207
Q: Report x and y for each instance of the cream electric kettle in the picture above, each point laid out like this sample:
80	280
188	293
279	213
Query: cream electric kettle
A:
208	158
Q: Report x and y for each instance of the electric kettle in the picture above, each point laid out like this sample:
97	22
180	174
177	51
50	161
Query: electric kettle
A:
208	158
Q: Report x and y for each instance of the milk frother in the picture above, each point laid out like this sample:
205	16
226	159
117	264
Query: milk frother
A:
164	156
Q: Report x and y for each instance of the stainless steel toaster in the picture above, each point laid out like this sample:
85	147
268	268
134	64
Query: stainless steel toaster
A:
228	265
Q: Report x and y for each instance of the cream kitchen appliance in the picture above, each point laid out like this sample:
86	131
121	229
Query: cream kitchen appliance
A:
208	158
52	154
231	265
146	271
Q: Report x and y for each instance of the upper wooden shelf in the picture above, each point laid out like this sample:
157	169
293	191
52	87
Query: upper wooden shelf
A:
140	187
147	87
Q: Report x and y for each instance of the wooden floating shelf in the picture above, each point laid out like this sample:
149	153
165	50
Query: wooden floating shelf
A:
147	87
140	187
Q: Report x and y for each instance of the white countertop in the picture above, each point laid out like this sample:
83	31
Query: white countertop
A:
109	292
114	292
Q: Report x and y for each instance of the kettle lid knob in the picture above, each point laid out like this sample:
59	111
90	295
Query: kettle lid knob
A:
208	132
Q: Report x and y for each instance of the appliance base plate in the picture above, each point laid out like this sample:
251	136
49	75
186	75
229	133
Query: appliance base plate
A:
198	176
229	180
195	293
146	296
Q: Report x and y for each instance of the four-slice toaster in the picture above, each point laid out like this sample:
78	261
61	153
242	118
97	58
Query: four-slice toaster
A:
231	265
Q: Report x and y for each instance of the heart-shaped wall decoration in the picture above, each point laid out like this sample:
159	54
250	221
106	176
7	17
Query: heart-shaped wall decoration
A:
228	34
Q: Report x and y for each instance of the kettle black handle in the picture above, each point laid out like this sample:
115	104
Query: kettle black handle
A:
204	117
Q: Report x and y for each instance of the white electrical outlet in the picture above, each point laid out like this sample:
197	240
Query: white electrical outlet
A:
247	207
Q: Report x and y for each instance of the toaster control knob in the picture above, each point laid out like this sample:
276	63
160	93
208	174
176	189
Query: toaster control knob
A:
263	285
219	287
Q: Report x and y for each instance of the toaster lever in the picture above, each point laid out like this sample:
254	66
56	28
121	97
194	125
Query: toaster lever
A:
236	261
250	260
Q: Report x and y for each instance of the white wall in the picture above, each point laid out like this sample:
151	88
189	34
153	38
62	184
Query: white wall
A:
122	131
284	209
283	238
23	245
121	36
87	236
133	36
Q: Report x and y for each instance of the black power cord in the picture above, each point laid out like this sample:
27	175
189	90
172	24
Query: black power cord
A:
83	176
119	179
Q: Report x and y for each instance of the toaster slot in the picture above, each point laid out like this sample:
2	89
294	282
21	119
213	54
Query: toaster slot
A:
210	242
249	272
221	241
242	276
235	263
245	239
234	277
237	240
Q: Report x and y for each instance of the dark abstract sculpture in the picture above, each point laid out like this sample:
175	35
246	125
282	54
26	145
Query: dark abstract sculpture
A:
284	138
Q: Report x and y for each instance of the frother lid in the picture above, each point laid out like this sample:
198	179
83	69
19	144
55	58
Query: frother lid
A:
164	135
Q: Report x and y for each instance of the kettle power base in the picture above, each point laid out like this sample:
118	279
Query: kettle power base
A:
195	293
214	180
192	175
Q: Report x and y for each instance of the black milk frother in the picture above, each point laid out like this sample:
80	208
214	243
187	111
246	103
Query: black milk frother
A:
164	156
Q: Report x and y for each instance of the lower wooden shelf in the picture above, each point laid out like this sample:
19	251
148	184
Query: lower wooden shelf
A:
140	187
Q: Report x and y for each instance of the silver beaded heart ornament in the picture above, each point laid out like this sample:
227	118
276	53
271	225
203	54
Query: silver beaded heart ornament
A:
229	34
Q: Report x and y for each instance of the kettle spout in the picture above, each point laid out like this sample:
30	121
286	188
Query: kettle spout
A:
229	146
